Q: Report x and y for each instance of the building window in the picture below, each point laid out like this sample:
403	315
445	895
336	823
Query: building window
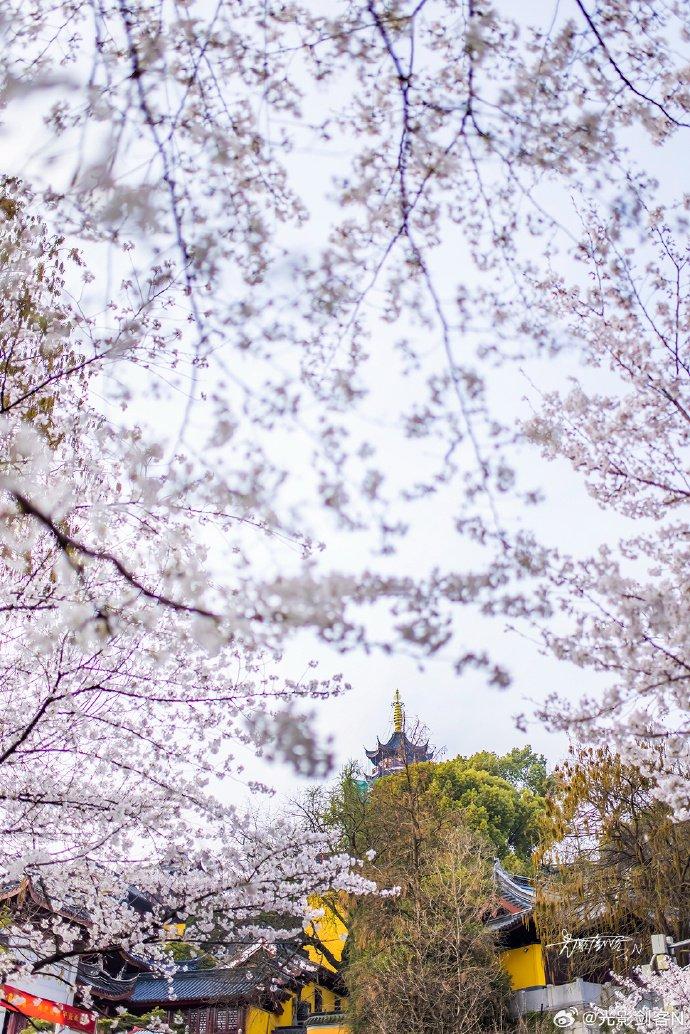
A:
220	1019
226	1020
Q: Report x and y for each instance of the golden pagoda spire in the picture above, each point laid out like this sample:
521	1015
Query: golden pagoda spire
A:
398	713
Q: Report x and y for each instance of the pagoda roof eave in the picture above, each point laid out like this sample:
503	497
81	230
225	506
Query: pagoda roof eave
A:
399	746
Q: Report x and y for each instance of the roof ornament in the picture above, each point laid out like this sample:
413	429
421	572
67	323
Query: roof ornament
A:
398	712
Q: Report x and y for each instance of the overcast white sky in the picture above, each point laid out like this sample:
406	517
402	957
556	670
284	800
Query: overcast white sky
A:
461	714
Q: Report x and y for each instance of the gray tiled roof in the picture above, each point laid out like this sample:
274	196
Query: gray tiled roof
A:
509	921
216	985
516	889
259	969
102	984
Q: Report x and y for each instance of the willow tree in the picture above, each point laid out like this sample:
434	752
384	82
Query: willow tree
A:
618	864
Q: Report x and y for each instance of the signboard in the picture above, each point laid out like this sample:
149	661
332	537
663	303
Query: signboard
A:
43	1009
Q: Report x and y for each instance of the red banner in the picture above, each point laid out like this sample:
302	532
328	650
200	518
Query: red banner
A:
43	1009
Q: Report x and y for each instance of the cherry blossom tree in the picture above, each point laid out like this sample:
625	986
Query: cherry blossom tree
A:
626	433
651	999
121	688
187	342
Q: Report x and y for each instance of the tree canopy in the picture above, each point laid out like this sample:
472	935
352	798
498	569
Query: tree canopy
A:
425	960
404	821
414	805
500	797
419	953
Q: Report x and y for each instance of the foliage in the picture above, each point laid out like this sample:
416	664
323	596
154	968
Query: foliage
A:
520	766
181	951
404	822
501	798
618	860
425	960
485	792
345	808
156	1019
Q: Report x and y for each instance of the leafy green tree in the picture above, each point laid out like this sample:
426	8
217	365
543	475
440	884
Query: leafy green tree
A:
500	797
347	808
521	767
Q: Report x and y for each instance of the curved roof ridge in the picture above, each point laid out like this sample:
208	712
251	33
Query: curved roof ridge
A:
519	882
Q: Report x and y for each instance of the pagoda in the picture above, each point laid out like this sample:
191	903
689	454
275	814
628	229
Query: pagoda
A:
399	751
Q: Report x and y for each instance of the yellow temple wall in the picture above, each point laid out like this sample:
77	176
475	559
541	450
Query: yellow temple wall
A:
329	929
259	1021
524	966
285	1017
327	998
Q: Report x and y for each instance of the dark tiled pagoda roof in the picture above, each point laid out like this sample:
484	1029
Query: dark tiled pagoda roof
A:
399	751
516	899
401	748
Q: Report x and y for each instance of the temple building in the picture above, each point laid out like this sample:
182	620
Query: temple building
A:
399	751
259	988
